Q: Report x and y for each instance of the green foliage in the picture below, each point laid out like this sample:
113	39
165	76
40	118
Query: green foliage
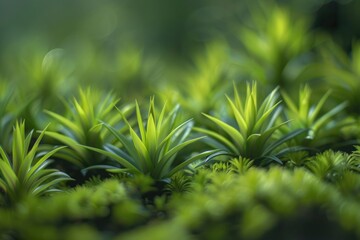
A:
259	204
141	171
81	210
323	128
40	75
81	126
272	40
240	165
25	173
158	231
153	150
210	73
179	183
250	132
331	166
7	115
349	184
339	71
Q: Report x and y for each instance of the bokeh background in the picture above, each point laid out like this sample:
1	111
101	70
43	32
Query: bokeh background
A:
183	51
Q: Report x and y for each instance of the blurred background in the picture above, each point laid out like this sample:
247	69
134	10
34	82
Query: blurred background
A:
138	48
175	28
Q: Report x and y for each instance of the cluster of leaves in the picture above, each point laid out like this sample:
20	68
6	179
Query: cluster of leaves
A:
251	127
24	173
80	126
153	150
92	206
255	164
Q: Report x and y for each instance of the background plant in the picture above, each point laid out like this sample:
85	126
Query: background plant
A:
336	68
273	41
210	71
332	166
323	127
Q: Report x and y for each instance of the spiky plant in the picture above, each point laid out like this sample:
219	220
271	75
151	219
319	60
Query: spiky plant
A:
273	39
180	183
240	165
24	172
339	71
323	128
250	130
237	165
40	74
210	68
331	166
80	126
154	149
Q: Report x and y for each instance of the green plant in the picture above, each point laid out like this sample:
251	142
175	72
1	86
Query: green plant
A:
322	128
273	202
81	126
154	149
24	173
40	73
180	183
349	184
273	41
95	206
250	130
237	165
331	166
7	115
340	71
240	165
209	73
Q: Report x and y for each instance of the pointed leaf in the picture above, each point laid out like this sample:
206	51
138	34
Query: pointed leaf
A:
231	131
115	157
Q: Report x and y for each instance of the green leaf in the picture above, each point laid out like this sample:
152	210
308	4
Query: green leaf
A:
319	105
189	161
66	122
42	160
9	176
264	117
119	152
28	159
151	136
68	141
327	117
141	149
96	167
228	144
177	148
129	146
233	133
166	141
290	104
117	158
239	118
282	140
140	121
59	177
18	145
